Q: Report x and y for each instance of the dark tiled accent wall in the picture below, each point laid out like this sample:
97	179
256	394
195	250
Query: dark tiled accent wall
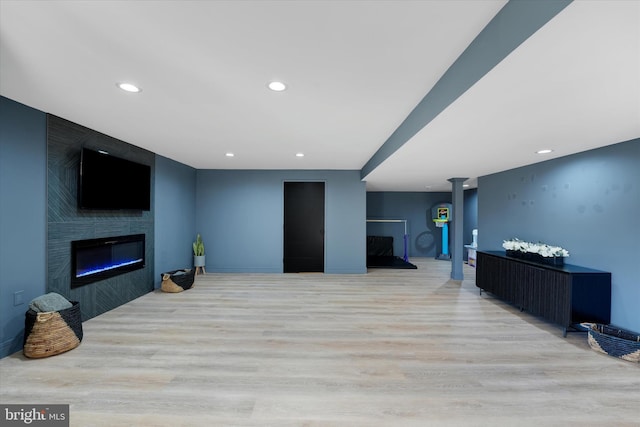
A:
65	222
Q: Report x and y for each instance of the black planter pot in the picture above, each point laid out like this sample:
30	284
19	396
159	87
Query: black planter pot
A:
513	254
556	260
529	256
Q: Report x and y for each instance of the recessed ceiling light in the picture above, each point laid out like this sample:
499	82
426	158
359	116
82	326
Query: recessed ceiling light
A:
465	185
299	154
229	154
277	86
103	152
128	87
545	151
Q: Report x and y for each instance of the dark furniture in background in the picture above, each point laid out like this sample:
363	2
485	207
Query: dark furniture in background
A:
380	254
566	295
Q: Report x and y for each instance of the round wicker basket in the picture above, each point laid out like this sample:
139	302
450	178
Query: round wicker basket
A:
177	281
614	342
54	332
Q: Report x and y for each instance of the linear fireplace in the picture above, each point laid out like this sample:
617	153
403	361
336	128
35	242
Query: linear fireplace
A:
98	259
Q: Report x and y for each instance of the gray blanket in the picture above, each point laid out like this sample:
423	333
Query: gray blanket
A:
49	302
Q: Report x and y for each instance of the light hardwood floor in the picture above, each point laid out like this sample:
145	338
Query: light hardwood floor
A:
389	348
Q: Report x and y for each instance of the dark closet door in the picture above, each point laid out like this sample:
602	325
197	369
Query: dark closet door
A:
303	227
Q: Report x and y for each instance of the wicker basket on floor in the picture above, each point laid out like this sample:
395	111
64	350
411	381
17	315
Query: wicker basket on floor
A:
614	342
54	332
177	281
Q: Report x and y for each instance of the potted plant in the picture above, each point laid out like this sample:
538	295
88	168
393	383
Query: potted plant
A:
198	253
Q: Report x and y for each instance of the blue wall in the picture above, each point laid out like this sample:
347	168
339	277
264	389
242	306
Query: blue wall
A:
588	203
240	217
175	209
425	240
23	216
470	217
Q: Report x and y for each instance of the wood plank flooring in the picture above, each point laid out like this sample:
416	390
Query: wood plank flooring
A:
389	348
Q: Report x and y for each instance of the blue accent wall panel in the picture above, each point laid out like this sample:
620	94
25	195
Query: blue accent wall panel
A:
66	222
23	217
239	214
175	207
588	203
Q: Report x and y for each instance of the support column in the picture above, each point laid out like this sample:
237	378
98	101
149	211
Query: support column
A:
457	204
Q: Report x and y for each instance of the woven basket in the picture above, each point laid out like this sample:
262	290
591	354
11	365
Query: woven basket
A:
614	342
54	332
172	282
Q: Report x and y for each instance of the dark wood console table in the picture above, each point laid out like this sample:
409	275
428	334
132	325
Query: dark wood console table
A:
566	295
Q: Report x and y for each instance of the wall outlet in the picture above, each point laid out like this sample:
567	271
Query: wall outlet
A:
18	298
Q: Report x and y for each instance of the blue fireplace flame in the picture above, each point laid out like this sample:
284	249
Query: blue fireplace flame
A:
107	267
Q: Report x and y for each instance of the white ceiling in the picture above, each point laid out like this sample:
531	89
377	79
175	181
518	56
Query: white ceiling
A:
355	70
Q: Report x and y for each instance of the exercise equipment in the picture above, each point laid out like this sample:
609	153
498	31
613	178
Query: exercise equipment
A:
441	215
380	254
405	257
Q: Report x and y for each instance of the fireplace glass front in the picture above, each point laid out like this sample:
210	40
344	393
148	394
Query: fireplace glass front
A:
98	259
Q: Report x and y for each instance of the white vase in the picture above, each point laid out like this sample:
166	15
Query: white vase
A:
198	261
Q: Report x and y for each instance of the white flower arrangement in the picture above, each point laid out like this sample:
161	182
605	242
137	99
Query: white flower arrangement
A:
543	249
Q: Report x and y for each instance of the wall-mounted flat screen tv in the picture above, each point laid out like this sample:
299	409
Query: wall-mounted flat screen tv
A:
111	183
